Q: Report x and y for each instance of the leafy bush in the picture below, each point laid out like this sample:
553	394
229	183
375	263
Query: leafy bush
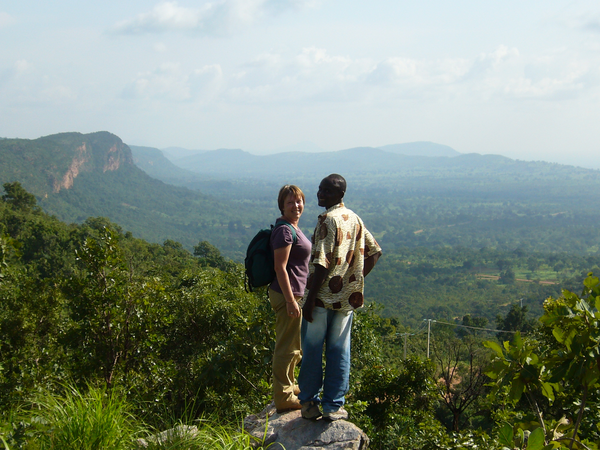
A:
563	362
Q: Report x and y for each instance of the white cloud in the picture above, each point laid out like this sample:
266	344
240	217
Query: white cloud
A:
170	83
216	18
311	75
567	82
160	47
396	71
165	17
6	19
206	83
586	21
21	66
487	63
58	94
166	82
12	73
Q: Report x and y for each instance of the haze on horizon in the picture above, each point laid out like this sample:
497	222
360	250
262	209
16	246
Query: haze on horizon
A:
519	79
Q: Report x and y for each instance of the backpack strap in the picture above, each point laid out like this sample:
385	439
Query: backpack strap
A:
280	222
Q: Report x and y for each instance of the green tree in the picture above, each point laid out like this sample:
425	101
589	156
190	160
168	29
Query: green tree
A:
16	196
210	256
516	320
507	276
115	319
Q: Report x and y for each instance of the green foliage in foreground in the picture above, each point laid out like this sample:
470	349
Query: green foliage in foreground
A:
96	418
561	366
91	304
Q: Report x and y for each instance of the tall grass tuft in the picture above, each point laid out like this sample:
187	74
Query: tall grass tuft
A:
95	420
100	419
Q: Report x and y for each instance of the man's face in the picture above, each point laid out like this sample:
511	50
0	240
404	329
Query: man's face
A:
329	194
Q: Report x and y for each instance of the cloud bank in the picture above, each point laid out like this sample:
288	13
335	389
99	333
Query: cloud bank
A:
315	75
6	19
217	18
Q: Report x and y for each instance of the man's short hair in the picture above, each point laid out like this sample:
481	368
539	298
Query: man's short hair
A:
287	190
339	182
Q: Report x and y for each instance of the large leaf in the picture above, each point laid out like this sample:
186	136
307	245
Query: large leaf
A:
591	281
548	391
495	347
558	334
529	373
506	435
495	369
516	389
517	340
536	440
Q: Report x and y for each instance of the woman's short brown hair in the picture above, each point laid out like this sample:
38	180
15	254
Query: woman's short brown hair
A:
287	190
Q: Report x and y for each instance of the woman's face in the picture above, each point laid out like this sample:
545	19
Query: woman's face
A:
293	207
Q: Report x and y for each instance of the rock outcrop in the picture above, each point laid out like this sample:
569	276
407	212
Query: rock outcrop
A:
79	159
290	431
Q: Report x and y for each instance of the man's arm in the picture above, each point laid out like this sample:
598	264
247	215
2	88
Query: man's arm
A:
370	263
317	280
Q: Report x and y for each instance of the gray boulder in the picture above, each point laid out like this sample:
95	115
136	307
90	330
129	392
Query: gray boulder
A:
289	431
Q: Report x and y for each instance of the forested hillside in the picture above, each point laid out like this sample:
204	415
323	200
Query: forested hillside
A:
76	176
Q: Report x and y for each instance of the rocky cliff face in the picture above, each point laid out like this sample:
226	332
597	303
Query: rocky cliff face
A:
81	157
101	152
114	159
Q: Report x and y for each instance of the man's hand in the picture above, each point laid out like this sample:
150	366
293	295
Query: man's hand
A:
316	281
370	263
307	310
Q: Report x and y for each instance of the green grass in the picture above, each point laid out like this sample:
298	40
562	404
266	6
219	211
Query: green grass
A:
94	420
99	419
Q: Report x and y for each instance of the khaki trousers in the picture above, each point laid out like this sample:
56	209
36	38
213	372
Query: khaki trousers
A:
287	352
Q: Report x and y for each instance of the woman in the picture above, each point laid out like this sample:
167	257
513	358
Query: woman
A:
291	269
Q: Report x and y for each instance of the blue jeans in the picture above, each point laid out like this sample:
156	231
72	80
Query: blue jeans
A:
332	328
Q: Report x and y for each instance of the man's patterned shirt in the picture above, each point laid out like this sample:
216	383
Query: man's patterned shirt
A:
341	243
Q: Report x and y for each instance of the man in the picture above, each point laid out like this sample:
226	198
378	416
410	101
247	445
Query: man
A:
343	253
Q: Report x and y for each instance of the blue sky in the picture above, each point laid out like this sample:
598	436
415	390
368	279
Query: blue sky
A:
516	78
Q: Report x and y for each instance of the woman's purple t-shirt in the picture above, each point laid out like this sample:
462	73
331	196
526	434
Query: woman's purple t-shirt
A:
297	265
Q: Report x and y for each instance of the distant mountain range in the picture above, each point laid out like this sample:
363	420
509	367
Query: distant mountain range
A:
420	149
176	154
401	159
227	163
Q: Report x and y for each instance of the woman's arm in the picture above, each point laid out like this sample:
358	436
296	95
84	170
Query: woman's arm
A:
282	255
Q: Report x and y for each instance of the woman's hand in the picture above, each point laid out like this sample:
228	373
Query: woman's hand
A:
292	308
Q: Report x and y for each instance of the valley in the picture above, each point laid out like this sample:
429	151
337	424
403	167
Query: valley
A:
452	216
